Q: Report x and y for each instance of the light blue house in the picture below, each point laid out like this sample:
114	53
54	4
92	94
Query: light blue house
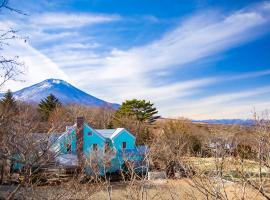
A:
100	151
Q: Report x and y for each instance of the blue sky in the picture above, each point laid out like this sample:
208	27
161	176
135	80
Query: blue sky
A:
199	59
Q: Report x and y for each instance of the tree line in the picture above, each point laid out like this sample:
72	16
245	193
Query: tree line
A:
138	116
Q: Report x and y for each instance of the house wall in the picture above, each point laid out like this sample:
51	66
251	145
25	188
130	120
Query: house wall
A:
124	136
118	161
89	140
68	139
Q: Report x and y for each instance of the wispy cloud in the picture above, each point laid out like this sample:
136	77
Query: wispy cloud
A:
238	104
70	20
45	27
247	75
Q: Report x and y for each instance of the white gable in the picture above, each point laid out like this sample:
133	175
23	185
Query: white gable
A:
118	131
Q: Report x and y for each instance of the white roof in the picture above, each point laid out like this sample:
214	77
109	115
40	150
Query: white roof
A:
116	132
104	133
109	133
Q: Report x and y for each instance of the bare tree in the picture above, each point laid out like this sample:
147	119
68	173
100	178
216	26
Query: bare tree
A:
10	66
5	4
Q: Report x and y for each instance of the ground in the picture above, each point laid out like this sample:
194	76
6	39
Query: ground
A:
159	189
231	166
141	190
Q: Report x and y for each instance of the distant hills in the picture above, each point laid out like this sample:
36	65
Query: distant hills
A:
65	92
246	122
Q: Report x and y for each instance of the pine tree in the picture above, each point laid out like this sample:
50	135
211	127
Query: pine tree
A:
47	106
8	113
141	110
136	116
8	102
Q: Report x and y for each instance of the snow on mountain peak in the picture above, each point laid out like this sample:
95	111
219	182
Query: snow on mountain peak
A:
51	83
55	81
65	92
45	85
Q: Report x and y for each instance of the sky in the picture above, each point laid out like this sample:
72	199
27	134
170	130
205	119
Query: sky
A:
199	59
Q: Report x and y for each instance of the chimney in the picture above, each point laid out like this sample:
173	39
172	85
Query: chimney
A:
79	143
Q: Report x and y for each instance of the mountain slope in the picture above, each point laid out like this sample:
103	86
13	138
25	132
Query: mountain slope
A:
64	91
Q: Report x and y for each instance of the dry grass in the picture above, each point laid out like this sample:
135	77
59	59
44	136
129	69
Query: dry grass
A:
231	165
159	189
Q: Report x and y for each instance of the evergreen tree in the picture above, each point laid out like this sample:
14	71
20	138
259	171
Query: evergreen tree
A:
8	102
47	106
141	110
136	116
8	113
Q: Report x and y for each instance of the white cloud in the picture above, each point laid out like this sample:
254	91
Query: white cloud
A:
54	26
248	75
70	20
237	104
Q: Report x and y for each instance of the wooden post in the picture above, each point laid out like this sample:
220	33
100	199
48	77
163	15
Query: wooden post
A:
109	190
5	171
142	191
79	143
1	171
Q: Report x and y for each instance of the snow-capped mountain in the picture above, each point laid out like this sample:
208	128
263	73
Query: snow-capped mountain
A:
64	91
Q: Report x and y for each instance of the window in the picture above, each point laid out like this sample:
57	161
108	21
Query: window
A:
68	146
107	147
90	133
95	147
124	145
